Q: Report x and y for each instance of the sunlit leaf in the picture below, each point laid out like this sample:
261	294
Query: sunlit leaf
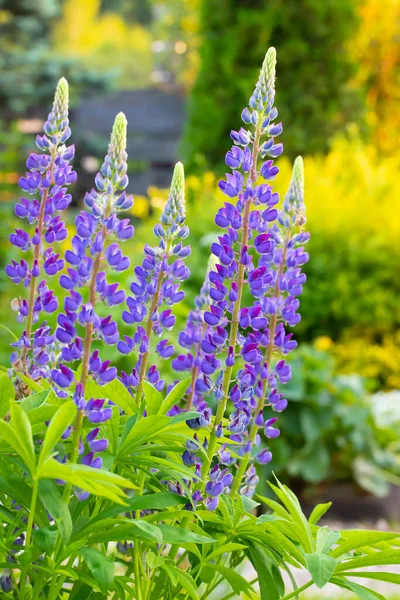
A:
321	567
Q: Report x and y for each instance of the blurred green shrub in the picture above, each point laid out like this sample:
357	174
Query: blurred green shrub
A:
333	430
314	67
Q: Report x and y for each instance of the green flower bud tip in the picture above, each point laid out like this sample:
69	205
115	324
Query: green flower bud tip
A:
61	99
265	85
295	193
174	211
268	68
118	134
177	193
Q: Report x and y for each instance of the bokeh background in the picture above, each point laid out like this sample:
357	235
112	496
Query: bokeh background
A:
182	70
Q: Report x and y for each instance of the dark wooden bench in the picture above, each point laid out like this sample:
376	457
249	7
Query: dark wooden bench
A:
155	123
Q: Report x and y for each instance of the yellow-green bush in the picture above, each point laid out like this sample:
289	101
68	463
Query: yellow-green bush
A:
352	207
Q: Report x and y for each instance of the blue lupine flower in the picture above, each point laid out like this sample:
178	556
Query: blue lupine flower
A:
157	285
48	174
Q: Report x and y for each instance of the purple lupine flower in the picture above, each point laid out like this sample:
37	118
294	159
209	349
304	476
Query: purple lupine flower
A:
156	285
49	172
258	250
97	230
89	247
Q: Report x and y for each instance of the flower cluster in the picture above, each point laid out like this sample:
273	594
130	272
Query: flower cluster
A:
261	250
94	246
49	173
235	353
156	289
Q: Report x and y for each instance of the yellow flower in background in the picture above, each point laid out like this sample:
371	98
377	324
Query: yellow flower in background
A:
104	41
376	49
323	343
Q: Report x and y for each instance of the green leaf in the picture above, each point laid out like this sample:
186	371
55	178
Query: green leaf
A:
174	396
229	547
186	580
319	512
153	398
321	567
236	581
148	502
268	586
386	557
178	535
7	393
35	400
41	414
362	592
293	507
57	507
25	451
326	538
46	539
108	532
152	531
379	576
117	393
95	481
101	567
63	418
360	539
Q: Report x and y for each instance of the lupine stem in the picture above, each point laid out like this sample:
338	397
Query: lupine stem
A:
28	537
235	313
268	358
36	257
298	590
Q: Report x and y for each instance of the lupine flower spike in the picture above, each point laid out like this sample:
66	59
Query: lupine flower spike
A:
98	233
156	289
280	305
253	252
238	250
49	174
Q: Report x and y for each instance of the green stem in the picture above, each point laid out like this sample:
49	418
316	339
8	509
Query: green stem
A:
138	586
28	535
298	591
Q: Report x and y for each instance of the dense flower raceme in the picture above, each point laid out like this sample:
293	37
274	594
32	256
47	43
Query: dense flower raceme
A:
49	174
156	289
260	250
95	246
